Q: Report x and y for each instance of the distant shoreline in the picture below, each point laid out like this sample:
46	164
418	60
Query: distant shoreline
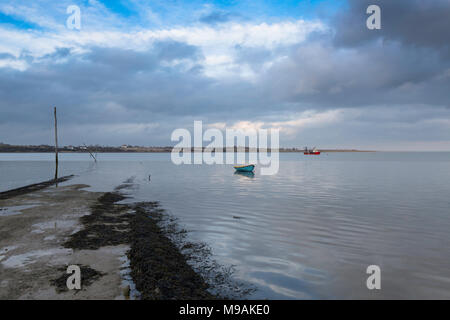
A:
281	151
6	148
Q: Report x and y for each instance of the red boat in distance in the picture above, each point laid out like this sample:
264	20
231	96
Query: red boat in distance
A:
311	151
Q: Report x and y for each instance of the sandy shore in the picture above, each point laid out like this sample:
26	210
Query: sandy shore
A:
122	250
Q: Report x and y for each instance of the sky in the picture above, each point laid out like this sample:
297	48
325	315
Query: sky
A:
137	70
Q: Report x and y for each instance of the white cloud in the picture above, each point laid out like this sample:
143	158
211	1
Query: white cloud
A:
218	44
14	64
295	122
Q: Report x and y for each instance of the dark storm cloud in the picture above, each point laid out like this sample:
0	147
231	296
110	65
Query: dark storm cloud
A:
407	62
323	76
412	22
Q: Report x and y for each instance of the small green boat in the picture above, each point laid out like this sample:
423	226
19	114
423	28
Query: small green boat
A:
245	168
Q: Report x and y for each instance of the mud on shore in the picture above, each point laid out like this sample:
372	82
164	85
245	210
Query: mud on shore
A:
158	269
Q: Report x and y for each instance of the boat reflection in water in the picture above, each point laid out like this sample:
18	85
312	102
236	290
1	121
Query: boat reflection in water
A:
248	174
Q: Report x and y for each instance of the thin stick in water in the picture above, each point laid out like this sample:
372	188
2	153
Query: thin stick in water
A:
56	145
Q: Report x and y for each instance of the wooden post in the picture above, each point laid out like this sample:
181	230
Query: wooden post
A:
56	145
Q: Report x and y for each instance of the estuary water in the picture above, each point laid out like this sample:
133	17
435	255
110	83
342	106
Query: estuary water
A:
308	232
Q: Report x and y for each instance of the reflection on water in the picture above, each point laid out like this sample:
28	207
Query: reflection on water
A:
308	232
245	174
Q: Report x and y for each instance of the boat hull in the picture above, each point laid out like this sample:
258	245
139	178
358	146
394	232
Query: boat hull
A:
312	153
248	168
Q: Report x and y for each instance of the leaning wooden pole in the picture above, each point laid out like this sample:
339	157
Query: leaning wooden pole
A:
56	145
93	157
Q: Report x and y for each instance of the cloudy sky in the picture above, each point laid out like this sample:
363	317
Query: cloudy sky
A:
137	70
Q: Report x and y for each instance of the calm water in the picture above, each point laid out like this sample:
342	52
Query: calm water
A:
308	232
